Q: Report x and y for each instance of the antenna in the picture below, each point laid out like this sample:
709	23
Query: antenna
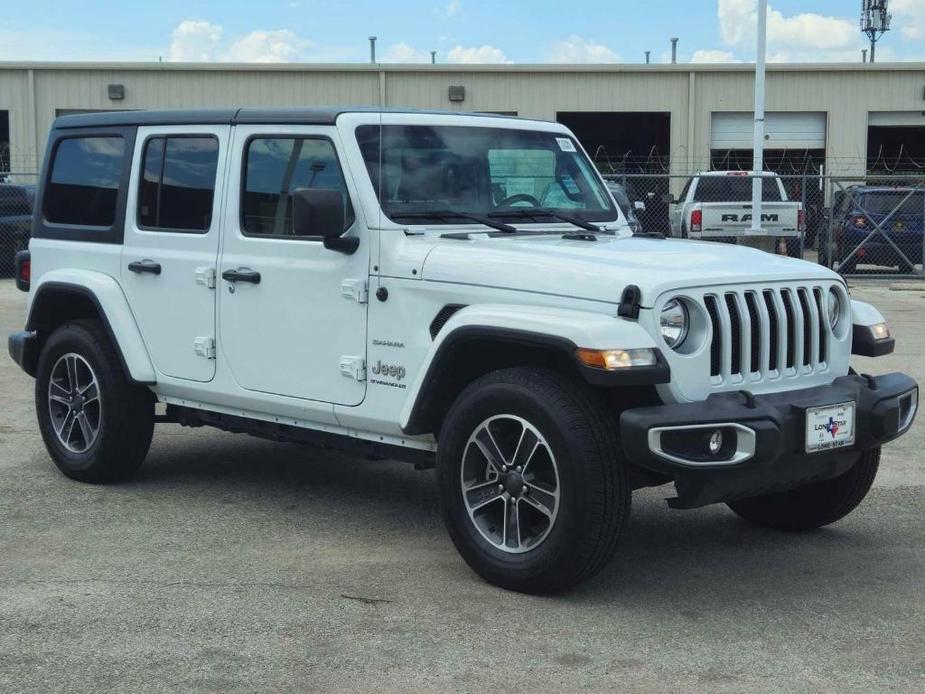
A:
875	22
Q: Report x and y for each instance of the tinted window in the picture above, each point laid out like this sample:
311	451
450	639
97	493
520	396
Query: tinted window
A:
885	202
84	184
178	183
734	189
275	164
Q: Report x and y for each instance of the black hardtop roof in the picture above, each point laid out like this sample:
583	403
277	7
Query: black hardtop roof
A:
232	116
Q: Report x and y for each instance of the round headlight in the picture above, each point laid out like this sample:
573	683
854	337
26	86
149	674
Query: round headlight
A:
833	307
674	322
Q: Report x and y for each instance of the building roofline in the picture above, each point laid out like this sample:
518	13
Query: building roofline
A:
457	68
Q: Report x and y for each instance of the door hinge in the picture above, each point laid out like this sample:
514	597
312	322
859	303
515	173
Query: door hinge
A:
206	277
205	347
356	290
354	367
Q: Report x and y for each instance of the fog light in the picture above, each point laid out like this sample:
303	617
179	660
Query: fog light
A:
881	331
715	442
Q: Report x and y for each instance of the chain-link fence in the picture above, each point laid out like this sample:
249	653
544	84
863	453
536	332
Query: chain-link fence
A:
17	199
867	225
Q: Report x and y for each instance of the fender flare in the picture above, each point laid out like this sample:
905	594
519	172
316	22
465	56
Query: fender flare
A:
112	306
863	341
554	329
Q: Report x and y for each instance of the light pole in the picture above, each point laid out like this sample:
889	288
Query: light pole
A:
875	22
758	154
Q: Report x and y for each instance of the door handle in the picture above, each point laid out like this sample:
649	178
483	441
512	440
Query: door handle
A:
242	274
145	266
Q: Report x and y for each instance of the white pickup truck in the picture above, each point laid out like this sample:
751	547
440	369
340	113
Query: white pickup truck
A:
717	205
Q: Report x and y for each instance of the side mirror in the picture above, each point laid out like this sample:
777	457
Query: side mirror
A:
668	199
640	206
320	212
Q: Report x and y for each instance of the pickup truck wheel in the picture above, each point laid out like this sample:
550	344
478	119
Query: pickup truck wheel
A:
533	492
813	505
96	426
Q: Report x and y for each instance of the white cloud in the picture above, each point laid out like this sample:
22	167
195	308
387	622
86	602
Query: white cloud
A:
452	8
909	18
575	49
261	46
476	55
194	41
713	56
805	36
404	53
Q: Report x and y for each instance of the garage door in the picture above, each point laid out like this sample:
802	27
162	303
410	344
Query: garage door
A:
897	119
733	130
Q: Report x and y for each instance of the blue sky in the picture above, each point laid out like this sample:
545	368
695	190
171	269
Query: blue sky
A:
461	31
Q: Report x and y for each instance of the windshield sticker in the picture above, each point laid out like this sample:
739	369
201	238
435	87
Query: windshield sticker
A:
565	144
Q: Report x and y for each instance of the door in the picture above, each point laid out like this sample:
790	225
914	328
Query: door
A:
171	240
292	313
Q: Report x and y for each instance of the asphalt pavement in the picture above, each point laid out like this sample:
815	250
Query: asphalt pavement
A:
231	564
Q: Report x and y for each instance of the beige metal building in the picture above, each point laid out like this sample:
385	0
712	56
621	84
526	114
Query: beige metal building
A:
845	117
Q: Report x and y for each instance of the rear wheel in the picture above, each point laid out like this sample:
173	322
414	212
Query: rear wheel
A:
96	426
533	492
813	505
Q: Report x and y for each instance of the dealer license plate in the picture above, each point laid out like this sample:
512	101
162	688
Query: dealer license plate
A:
829	426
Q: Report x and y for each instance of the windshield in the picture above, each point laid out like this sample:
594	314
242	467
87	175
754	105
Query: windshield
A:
482	171
735	189
884	203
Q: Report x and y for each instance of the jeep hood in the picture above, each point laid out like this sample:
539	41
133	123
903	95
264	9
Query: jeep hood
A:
600	270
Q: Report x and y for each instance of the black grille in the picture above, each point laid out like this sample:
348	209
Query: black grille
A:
755	319
823	319
772	329
788	309
716	344
735	325
807	327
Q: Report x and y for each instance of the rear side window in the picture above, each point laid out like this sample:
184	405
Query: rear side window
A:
275	167
83	187
178	183
735	189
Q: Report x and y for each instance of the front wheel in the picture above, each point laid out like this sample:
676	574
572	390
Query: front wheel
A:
97	426
813	505
533	492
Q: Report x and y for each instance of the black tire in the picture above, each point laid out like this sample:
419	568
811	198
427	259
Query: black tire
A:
125	415
814	505
594	492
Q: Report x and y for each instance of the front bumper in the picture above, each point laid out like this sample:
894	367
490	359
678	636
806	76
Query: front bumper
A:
769	431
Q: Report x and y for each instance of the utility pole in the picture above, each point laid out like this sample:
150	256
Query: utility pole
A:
758	155
875	22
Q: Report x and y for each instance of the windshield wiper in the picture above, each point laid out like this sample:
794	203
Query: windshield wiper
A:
535	212
453	214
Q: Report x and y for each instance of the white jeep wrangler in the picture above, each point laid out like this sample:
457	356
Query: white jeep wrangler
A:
451	290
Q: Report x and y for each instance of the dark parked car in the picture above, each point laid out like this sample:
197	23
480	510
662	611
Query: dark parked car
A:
16	204
900	212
